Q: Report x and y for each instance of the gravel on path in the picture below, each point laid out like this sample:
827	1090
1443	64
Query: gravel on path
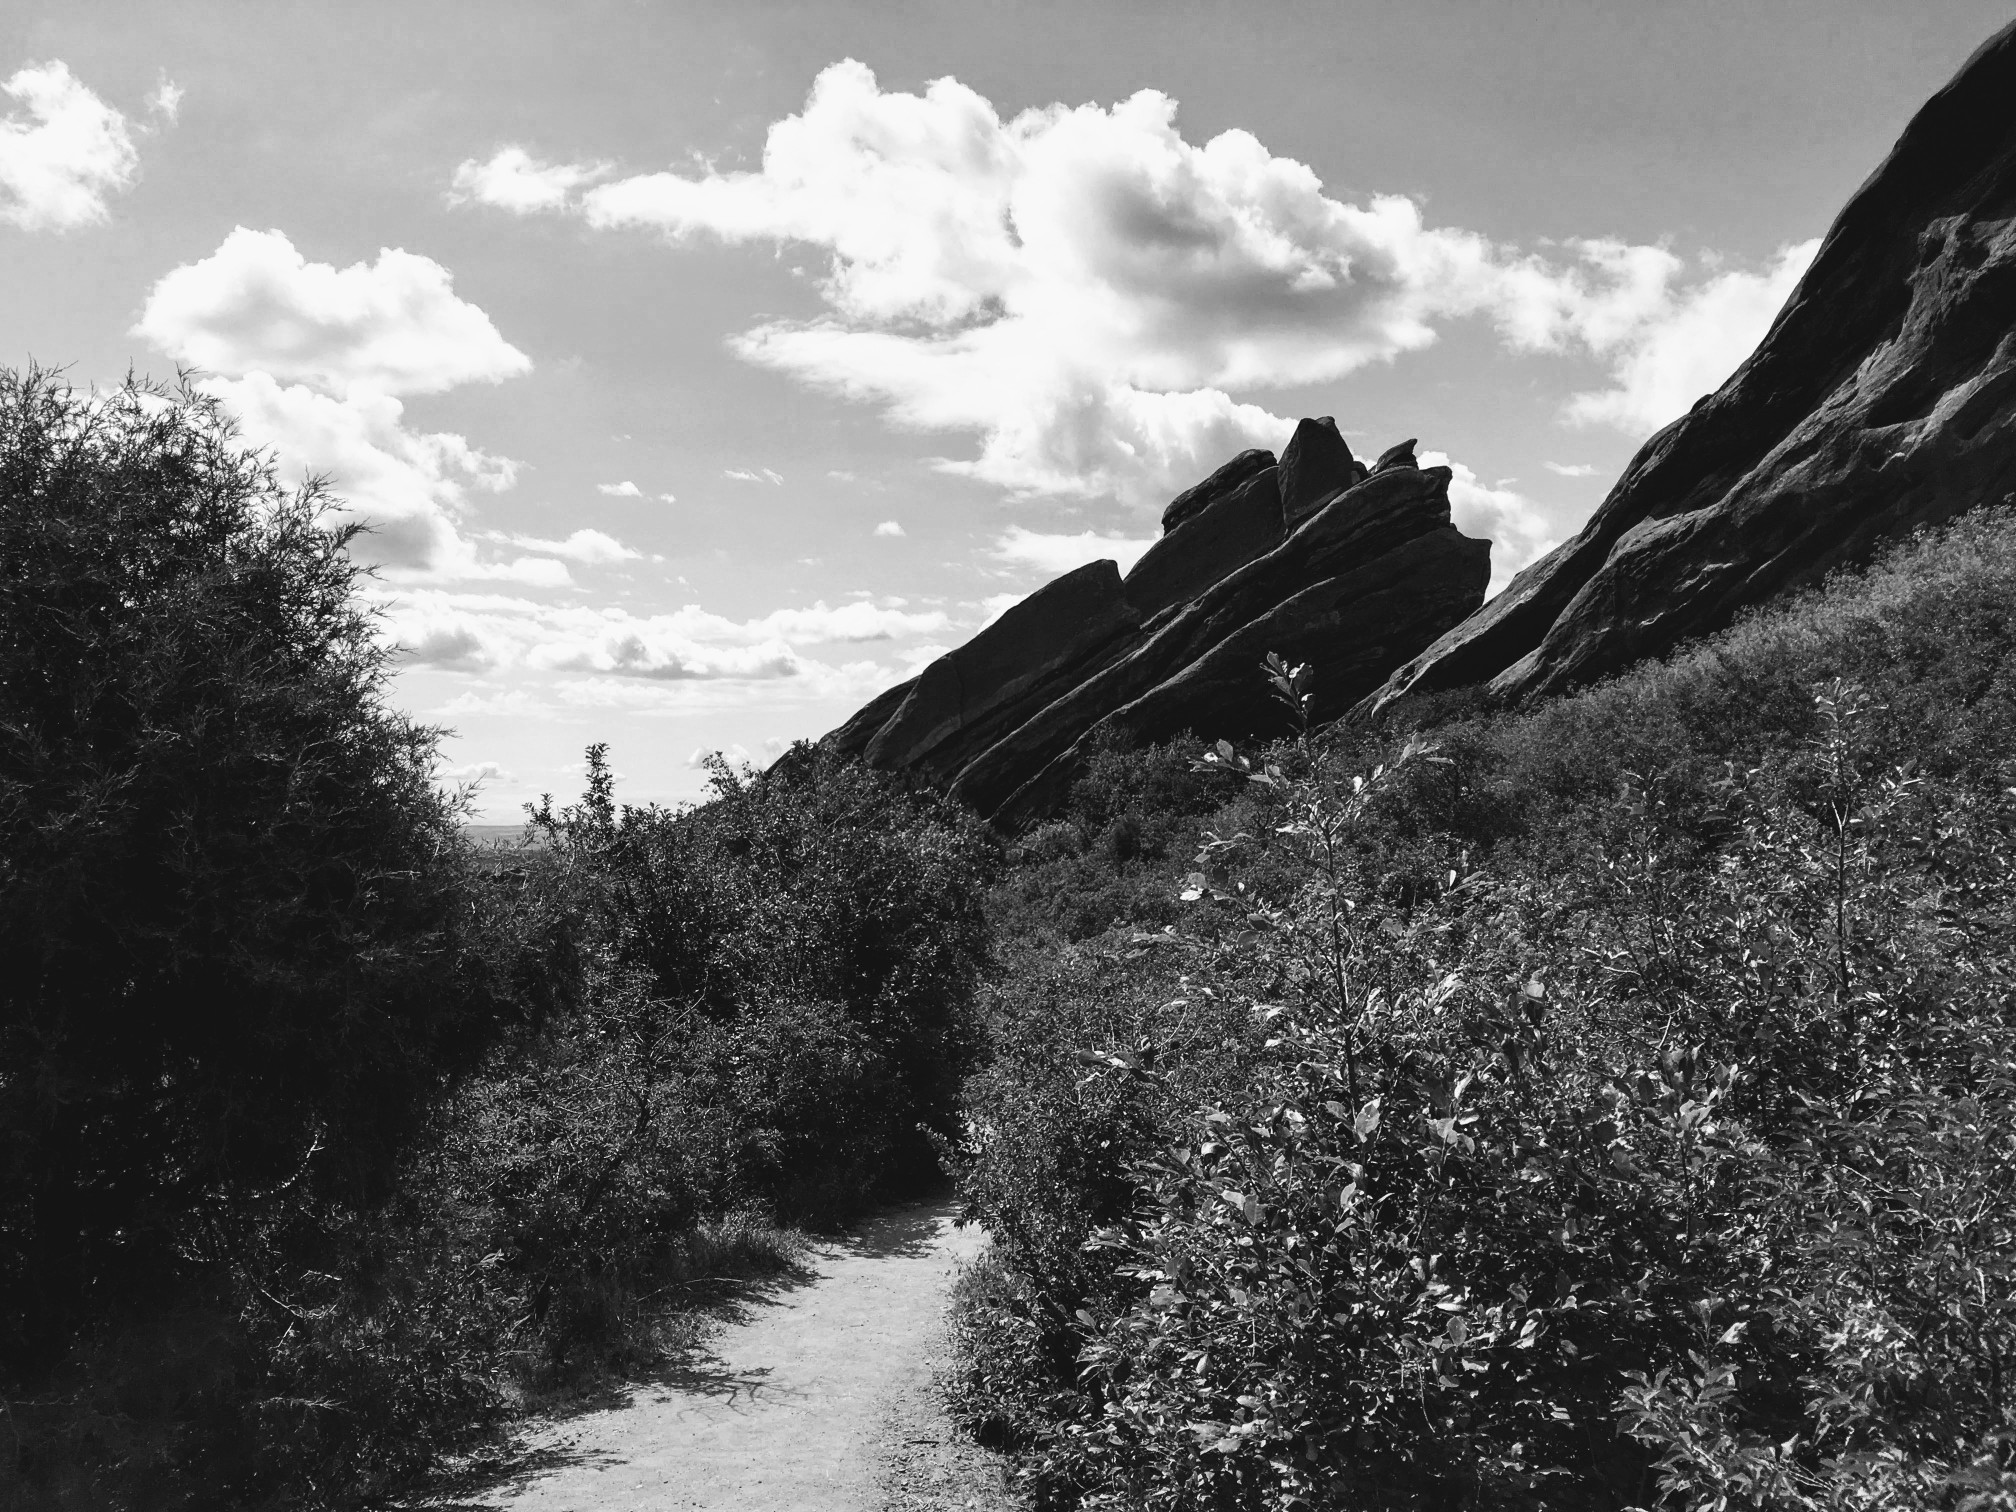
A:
819	1399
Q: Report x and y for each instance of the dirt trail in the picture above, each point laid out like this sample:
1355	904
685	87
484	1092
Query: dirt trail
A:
817	1399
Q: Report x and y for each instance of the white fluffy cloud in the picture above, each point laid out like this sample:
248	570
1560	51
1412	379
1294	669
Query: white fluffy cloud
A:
63	150
624	490
1095	298
410	487
311	360
393	326
477	632
1060	553
889	528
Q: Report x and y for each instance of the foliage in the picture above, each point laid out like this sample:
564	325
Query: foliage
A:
1633	1121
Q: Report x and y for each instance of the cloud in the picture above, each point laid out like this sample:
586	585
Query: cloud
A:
752	475
166	100
624	490
393	326
1679	344
311	360
63	150
668	498
1571	469
591	548
515	180
889	528
410	487
1060	553
482	632
1100	303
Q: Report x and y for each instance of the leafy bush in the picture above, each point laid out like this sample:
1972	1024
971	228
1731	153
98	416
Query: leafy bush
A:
1622	1138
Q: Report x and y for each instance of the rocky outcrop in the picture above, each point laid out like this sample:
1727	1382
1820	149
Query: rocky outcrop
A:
1315	464
1220	483
1366	573
1883	397
1223	536
966	698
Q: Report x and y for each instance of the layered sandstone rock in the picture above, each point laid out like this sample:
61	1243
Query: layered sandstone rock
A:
1882	398
1364	574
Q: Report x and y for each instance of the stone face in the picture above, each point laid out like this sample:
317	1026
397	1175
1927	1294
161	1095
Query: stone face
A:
1056	630
1883	397
1315	464
1223	536
1356	531
1222	482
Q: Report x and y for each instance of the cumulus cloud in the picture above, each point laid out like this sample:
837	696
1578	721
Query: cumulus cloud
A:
1095	298
1571	469
889	528
311	360
624	490
512	179
1060	553
411	487
753	475
63	150
392	326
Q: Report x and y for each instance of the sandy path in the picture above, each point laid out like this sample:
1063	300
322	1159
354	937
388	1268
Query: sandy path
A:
818	1400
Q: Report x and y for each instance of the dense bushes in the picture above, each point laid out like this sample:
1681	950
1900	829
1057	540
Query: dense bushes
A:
1633	1122
329	1141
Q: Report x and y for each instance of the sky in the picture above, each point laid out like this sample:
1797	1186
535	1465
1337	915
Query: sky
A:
701	370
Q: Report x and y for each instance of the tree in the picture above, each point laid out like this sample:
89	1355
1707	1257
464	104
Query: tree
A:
241	948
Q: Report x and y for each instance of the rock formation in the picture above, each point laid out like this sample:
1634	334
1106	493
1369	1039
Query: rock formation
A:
1310	556
1883	397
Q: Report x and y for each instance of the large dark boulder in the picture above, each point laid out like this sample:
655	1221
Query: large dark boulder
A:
1198	496
1316	465
1221	537
1883	397
1358	530
953	707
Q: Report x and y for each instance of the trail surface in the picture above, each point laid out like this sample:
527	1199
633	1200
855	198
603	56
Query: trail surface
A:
816	1397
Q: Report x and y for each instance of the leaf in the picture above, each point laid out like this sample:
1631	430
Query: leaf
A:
1367	1120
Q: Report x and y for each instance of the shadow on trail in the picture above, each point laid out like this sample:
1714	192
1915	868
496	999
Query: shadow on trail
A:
723	1302
690	1369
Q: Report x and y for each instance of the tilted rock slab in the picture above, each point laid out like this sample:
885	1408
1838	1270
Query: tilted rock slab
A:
1368	578
1882	398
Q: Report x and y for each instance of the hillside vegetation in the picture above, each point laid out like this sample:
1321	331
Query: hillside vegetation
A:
1608	1104
332	1142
